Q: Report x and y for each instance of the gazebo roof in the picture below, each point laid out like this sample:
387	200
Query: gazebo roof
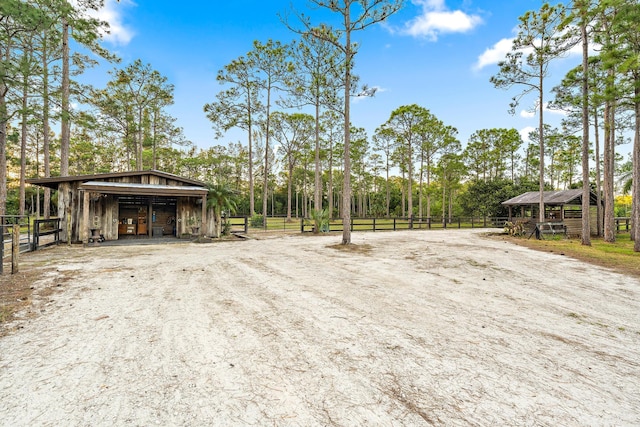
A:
563	197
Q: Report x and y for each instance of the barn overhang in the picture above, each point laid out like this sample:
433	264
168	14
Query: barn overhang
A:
120	188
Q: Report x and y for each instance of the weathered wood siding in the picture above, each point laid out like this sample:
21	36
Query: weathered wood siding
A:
574	225
188	208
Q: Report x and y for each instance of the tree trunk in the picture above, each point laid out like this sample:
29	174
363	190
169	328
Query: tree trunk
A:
635	185
586	187
541	134
23	143
265	190
65	133
410	182
420	185
609	156
429	187
45	126
252	202
4	121
330	189
346	192
317	195
289	186
3	150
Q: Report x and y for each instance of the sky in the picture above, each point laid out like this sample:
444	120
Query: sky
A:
439	54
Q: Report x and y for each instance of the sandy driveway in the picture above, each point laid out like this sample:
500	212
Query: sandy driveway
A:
420	328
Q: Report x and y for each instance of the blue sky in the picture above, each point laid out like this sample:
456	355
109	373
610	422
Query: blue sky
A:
439	54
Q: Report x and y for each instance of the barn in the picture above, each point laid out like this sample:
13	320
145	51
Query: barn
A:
562	207
139	204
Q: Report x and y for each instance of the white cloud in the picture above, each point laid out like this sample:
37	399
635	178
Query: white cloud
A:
524	133
112	13
494	54
555	111
498	52
529	114
436	19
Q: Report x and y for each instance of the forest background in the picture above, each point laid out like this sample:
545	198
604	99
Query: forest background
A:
288	99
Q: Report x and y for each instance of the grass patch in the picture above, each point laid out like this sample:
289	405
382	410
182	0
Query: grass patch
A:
618	256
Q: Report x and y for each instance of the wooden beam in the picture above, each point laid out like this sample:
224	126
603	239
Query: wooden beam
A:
203	227
84	225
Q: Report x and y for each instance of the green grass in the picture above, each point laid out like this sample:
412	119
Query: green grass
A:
617	256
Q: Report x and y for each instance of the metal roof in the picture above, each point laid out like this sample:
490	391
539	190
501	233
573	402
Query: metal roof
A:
563	197
54	181
143	189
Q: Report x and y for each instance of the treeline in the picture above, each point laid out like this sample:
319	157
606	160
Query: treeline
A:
292	101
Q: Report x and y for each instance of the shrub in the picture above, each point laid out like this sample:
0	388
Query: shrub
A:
514	228
257	221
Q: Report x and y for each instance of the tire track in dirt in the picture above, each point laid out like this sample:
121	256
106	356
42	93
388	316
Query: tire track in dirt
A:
289	332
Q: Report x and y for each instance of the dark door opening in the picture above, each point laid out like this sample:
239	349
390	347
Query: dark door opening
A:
144	217
163	217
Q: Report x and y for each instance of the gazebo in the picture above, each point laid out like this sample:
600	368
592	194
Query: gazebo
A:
563	206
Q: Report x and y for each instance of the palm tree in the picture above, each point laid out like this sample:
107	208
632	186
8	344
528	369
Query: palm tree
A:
221	199
625	180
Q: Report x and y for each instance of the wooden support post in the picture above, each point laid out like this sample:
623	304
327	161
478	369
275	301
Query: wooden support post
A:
84	226
150	220
203	228
15	248
2	228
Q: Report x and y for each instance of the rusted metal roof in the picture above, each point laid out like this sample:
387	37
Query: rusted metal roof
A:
563	197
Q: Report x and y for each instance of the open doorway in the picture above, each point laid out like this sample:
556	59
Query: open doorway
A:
163	217
144	217
133	214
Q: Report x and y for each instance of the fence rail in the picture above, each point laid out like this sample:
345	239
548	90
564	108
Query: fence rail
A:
7	223
45	227
394	224
623	224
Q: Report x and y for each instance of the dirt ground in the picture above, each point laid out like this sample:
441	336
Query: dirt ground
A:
405	329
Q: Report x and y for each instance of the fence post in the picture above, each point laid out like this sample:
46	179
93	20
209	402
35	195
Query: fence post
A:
36	229
15	248
2	246
374	224
410	221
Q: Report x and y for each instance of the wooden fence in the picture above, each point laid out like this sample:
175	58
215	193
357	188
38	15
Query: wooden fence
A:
45	227
394	224
242	224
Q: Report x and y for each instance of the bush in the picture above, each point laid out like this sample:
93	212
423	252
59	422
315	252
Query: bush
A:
514	228
226	227
257	221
